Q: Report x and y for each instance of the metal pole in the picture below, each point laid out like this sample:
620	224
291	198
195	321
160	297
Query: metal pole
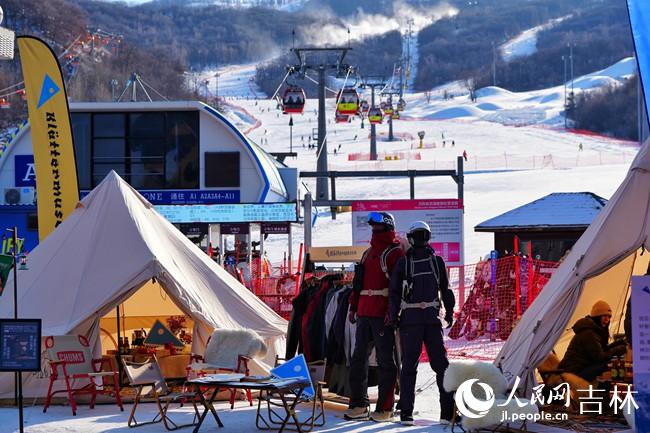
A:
14	248
461	178
290	251
571	55
412	182
494	65
373	130
307	203
322	191
290	134
390	128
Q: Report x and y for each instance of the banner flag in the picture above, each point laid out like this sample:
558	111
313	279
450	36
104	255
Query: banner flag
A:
639	12
57	189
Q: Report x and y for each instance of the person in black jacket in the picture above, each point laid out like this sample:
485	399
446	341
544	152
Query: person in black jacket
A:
589	352
417	284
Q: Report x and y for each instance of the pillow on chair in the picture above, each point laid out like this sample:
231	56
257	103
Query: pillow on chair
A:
226	345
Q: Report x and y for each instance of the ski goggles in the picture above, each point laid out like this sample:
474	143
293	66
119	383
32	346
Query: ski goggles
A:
377	218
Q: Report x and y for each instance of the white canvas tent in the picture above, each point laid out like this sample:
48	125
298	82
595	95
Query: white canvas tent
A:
113	244
599	266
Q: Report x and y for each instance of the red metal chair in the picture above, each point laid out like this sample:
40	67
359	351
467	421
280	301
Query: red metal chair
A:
70	359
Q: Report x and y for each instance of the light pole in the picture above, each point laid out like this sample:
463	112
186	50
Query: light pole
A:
290	134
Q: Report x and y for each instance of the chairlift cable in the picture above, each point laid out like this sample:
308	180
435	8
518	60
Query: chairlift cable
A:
281	83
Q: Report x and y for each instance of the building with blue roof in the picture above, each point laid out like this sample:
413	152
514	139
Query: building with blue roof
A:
549	225
183	156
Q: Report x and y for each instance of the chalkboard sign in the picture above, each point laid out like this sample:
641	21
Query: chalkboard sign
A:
20	344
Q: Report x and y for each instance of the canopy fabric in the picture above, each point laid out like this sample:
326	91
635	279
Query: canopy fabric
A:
599	266
113	244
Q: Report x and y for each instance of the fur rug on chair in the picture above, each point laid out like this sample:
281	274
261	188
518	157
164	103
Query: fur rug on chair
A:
226	345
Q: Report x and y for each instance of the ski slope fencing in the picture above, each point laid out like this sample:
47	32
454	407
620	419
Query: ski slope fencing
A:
505	161
493	297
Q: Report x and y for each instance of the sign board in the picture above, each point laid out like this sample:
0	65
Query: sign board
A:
336	254
229	213
276	228
24	172
444	216
187	196
20	344
234	229
641	349
196	229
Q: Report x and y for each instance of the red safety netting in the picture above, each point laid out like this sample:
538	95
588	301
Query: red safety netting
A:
492	299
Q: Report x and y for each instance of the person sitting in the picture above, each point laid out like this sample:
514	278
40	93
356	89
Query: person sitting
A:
589	352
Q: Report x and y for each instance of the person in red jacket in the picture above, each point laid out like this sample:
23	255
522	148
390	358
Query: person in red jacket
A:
369	310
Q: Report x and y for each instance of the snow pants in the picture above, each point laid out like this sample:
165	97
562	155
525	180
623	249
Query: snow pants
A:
371	331
411	339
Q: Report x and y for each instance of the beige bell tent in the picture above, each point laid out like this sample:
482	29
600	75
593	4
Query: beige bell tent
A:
112	245
599	266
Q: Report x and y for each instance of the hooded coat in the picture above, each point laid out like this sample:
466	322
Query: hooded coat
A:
589	346
374	277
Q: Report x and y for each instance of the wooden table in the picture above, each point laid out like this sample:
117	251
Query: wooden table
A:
280	387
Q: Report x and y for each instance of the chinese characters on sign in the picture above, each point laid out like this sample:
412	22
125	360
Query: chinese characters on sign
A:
641	353
229	213
444	216
20	344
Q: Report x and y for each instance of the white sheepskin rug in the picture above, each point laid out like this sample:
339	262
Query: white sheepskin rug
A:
226	345
461	371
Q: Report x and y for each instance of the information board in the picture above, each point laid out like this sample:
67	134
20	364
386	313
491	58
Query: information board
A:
20	344
641	350
229	213
444	216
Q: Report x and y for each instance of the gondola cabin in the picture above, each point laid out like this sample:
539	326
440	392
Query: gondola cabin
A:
4	104
340	118
395	115
293	100
375	115
348	101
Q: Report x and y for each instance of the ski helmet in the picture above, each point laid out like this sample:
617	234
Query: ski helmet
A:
419	233
382	218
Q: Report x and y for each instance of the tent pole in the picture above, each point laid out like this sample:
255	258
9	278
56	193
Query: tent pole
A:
118	357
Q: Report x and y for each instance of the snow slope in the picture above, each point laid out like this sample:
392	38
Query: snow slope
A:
525	43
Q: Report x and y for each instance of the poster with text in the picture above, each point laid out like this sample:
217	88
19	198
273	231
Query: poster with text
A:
444	216
641	350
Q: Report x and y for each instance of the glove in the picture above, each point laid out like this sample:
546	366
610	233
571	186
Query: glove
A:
449	318
352	317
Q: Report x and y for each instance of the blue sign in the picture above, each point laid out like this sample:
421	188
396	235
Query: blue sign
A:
170	196
24	173
20	344
230	213
184	196
639	11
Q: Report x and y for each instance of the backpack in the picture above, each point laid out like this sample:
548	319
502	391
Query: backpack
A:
407	285
357	281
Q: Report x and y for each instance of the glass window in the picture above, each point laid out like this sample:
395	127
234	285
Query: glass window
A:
147	163
108	125
146	125
81	132
182	153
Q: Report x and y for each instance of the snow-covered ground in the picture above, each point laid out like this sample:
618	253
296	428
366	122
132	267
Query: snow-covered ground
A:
108	418
525	43
507	165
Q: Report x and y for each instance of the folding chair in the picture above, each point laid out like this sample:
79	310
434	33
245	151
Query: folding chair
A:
317	416
70	358
149	381
244	343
